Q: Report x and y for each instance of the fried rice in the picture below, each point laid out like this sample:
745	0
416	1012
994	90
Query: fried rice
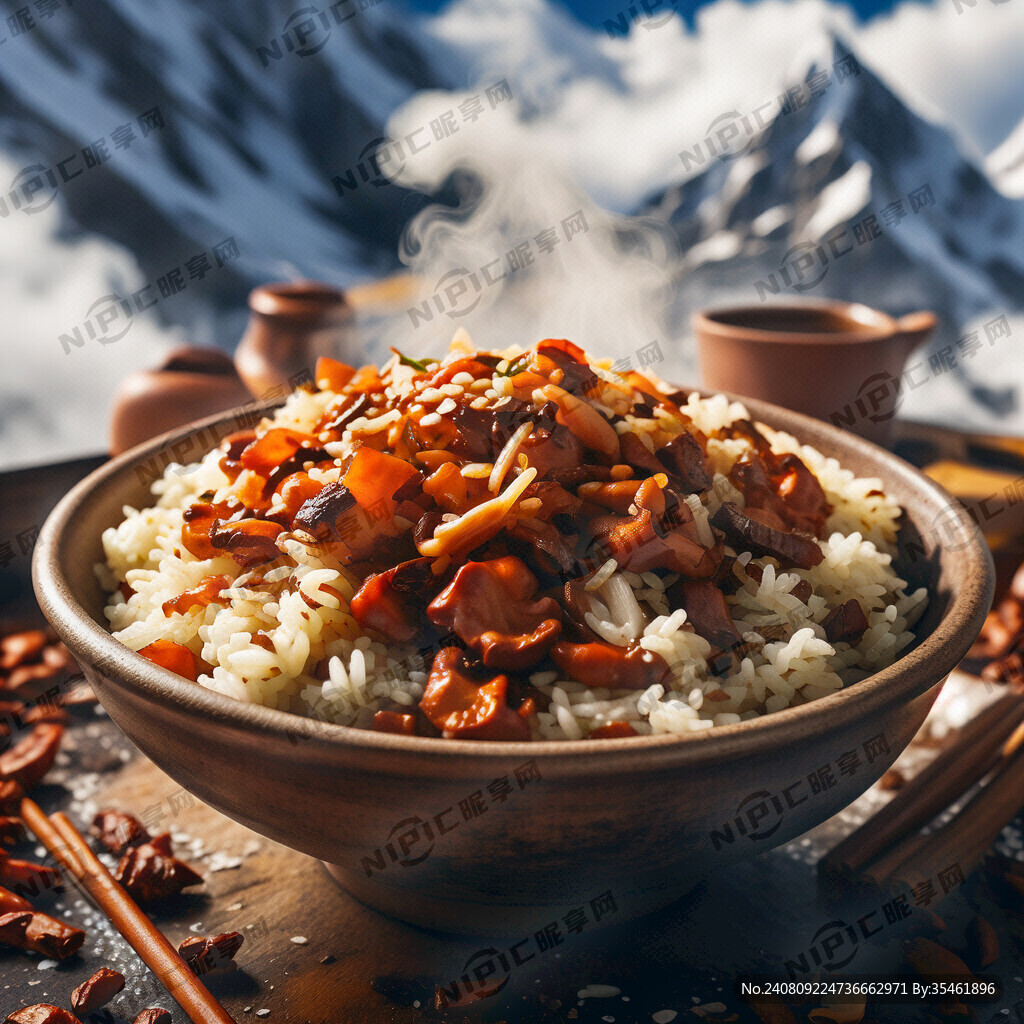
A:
512	545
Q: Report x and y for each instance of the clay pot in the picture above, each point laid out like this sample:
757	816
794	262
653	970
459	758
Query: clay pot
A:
838	361
290	326
192	382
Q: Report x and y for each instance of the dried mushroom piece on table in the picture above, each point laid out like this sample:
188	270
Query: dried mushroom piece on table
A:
97	991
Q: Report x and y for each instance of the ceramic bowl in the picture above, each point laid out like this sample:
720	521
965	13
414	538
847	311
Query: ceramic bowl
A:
496	837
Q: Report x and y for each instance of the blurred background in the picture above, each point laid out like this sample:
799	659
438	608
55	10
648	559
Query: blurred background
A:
596	170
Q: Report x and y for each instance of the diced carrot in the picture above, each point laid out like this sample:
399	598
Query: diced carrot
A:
375	476
331	374
176	657
266	453
366	378
204	593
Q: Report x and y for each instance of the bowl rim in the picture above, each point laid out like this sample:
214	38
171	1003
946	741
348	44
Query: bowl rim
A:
910	676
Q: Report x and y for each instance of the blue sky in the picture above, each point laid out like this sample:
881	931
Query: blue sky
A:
596	12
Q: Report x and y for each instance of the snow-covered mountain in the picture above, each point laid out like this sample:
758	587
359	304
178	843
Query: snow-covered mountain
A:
850	195
1005	164
334	142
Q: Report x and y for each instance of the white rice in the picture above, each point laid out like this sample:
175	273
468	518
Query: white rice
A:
301	622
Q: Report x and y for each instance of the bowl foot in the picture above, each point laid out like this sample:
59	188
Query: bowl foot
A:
615	905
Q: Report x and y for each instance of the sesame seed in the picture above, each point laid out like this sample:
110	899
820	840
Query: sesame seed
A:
480	385
479	403
453	389
431	395
430	420
462	378
446	407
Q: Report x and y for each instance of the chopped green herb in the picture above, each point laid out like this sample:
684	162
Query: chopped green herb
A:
516	366
416	364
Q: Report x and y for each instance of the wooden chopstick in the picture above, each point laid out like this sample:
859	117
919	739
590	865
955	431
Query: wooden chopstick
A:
966	839
949	776
72	851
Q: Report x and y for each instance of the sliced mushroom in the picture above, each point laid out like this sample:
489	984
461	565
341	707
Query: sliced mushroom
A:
575	605
206	954
118	831
464	708
490	607
250	542
785	487
390	602
752	530
577	376
602	664
550	550
636	454
97	991
643	541
319	515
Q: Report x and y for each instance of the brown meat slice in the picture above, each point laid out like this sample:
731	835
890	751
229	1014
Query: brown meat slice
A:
684	458
707	611
755	531
846	623
644	541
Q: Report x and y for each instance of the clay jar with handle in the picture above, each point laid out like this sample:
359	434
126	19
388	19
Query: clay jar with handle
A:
290	326
839	361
